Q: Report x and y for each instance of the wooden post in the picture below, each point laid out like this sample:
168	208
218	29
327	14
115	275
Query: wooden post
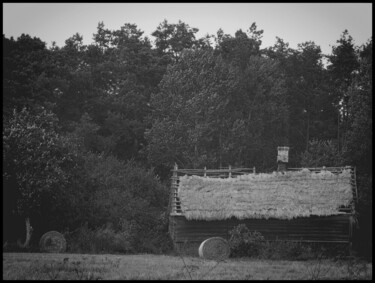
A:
254	169
205	173
230	171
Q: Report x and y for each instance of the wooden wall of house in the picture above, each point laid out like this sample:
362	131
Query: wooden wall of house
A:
335	228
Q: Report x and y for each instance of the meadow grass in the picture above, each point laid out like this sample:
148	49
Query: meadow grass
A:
42	266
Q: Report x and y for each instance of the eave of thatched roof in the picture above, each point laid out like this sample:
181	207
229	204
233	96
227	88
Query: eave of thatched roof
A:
278	195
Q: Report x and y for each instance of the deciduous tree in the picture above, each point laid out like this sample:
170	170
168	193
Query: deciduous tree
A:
36	162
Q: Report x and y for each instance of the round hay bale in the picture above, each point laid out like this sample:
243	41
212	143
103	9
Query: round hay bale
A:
52	242
215	248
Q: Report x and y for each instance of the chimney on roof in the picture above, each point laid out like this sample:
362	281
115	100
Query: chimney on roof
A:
282	158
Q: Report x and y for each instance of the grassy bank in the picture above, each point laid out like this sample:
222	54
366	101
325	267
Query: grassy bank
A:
31	266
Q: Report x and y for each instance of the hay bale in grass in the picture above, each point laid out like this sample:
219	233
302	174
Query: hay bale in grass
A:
215	248
52	242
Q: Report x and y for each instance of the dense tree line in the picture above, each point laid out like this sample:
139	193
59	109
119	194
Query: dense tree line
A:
90	132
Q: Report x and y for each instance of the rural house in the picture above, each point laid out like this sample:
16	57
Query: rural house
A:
300	204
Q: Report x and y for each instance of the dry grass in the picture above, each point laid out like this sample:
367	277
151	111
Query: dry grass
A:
40	266
278	195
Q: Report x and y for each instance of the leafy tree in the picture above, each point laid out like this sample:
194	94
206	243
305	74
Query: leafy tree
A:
111	81
312	112
280	51
129	197
103	37
76	85
239	48
207	114
206	41
322	153
359	134
260	113
121	112
311	91
344	63
87	137
185	112
29	74
36	162
359	141
173	38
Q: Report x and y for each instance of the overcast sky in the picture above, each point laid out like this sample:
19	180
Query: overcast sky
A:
293	22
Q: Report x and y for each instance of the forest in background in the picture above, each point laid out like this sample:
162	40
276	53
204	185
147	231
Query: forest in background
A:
91	132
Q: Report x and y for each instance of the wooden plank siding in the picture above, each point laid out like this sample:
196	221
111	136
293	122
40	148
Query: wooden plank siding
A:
308	229
196	230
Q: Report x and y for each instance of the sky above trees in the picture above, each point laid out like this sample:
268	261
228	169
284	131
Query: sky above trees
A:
293	22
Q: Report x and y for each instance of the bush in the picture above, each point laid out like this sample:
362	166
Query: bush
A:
149	236
106	239
243	242
130	197
101	240
246	243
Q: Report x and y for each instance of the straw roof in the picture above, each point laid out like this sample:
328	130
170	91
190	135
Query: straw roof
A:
278	195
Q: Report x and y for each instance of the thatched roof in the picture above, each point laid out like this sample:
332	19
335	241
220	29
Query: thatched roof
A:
278	195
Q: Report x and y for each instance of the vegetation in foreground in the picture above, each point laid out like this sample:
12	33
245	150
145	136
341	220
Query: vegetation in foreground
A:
34	266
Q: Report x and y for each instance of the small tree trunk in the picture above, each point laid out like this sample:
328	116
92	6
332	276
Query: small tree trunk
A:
29	231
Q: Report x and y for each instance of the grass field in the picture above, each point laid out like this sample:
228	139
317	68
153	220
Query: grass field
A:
30	266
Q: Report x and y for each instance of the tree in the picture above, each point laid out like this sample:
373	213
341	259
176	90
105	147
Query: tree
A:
239	48
359	134
130	198
36	162
310	91
29	74
111	81
123	82
259	113
280	52
344	63
185	109
322	153
173	38
312	112
211	113
359	140
103	37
